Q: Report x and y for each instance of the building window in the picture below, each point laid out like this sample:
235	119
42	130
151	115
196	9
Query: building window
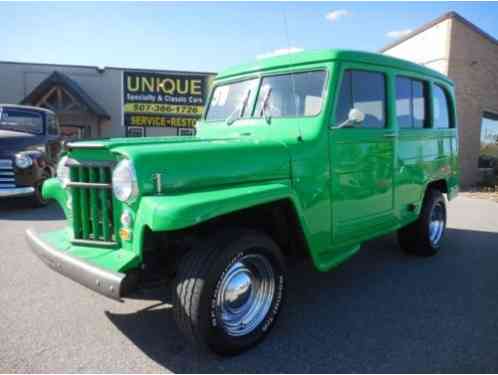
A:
365	91
488	153
441	109
71	132
411	103
135	131
186	131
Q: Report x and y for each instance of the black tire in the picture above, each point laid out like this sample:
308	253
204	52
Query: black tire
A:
36	199
197	287
416	237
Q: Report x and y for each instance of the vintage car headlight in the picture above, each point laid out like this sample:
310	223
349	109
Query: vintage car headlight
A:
124	181
63	171
23	160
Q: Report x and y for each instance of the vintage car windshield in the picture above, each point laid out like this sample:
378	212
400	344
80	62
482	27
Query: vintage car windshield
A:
230	98
287	95
21	120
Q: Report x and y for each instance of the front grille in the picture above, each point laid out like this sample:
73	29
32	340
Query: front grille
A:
92	203
7	177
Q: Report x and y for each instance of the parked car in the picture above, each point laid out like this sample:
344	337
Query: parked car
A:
29	149
305	155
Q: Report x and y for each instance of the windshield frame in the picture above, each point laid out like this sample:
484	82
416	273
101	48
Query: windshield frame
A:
260	76
30	110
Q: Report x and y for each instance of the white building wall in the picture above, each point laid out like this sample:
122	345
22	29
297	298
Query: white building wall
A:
429	48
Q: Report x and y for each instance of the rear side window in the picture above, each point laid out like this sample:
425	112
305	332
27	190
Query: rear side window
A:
441	109
365	91
411	103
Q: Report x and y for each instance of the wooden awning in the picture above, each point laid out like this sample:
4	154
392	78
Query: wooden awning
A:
60	93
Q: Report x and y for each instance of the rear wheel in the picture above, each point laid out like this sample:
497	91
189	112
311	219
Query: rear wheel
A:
424	236
229	292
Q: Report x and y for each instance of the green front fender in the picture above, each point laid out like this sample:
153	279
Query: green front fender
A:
53	189
179	211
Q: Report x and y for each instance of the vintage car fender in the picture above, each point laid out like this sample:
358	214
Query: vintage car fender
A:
179	211
52	189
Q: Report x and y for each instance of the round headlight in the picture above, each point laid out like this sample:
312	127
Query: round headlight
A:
124	181
63	171
23	160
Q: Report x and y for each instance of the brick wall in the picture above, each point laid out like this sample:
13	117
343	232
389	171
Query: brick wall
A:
473	66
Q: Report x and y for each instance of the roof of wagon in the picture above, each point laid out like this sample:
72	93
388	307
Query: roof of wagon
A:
310	57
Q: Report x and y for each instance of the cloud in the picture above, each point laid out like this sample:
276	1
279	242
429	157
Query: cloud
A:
336	14
278	52
398	33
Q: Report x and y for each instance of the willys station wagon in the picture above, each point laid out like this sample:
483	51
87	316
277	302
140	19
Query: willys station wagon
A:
308	154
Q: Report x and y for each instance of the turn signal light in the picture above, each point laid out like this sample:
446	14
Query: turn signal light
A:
125	234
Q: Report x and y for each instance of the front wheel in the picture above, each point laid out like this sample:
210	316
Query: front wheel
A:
229	292
37	199
424	236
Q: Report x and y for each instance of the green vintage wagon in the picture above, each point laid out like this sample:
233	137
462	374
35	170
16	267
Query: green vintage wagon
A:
304	155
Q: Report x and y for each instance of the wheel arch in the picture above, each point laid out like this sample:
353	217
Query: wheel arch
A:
279	219
441	185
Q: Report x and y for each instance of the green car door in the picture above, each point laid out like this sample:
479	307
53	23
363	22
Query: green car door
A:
362	156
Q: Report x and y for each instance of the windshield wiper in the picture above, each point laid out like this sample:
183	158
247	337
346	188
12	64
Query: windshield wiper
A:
241	109
265	111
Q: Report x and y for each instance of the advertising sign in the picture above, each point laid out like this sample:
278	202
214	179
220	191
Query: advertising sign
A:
163	99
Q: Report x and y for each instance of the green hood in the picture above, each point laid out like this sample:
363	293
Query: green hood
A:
194	163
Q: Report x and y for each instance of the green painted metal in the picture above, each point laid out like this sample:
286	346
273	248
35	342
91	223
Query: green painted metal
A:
346	185
104	196
84	206
94	204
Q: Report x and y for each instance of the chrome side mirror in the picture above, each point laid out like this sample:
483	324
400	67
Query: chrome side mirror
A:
355	117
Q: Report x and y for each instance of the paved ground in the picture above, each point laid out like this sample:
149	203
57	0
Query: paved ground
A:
383	311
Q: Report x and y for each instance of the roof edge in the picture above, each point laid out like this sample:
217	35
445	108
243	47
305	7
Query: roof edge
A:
444	17
104	68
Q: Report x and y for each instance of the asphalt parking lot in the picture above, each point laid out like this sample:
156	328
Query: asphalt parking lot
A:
383	311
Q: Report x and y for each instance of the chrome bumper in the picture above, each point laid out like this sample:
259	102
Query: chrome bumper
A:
16	192
110	284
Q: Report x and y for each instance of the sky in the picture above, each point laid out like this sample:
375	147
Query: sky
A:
209	37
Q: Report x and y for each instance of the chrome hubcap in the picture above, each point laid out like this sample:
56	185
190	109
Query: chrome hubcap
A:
436	224
245	294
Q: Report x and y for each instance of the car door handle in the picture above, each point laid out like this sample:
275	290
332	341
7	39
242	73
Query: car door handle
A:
390	135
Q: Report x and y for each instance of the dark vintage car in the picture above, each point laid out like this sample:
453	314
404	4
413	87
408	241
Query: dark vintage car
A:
30	144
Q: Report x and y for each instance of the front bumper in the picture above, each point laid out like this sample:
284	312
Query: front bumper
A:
110	284
17	192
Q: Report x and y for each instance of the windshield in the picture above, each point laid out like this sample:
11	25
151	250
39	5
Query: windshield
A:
287	95
21	120
230	98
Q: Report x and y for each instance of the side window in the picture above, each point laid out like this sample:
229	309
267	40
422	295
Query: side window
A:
365	91
52	127
419	104
404	102
441	112
345	99
293	95
411	103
